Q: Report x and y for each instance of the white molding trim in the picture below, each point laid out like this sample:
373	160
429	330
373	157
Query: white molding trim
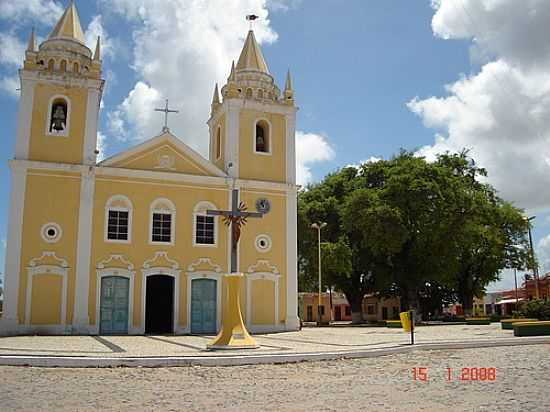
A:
107	263
178	143
154	208
208	181
32	271
51	225
292	322
148	264
160	270
217	276
89	156
68	115
81	318
114	272
265	237
58	261
129	208
269	137
271	276
192	268
231	146
200	210
24	118
290	121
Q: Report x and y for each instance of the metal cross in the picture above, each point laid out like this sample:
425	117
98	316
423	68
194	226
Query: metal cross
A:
166	110
236	218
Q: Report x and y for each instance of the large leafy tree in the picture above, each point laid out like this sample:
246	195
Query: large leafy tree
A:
404	223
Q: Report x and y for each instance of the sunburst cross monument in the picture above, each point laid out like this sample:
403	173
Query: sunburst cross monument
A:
233	334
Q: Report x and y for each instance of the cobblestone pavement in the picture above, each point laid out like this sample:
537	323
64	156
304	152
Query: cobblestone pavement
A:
307	340
376	384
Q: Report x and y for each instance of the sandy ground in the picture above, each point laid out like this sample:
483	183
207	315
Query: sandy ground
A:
378	384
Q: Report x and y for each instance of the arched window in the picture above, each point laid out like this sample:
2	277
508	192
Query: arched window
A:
76	68
118	219
51	65
162	222
249	93
59	116
218	143
262	137
205	226
63	66
260	94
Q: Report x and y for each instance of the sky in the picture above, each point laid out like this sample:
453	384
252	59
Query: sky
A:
370	77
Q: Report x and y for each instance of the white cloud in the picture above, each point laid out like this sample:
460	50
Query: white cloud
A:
502	113
10	85
101	146
181	49
543	254
95	29
372	159
311	148
45	12
12	50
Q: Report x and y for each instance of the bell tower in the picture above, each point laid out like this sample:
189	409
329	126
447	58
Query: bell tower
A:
252	126
61	89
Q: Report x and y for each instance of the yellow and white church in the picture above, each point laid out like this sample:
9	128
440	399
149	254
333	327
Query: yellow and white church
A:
126	246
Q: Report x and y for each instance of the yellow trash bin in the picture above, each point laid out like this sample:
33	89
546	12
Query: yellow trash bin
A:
405	321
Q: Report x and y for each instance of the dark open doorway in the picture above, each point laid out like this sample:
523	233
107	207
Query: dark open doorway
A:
159	304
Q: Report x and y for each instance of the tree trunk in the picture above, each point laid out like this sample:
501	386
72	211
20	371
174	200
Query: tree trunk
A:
355	300
468	302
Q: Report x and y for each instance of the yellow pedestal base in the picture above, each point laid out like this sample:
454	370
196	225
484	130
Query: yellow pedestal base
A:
233	334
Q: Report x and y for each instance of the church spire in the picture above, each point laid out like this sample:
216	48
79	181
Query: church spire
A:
97	54
288	83
31	47
215	98
68	26
232	76
251	56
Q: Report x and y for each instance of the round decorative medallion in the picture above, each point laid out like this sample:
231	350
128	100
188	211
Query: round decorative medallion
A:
263	243
51	232
263	205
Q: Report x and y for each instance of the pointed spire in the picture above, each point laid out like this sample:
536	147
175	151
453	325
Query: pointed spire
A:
232	76
216	97
97	54
68	26
251	57
32	41
288	83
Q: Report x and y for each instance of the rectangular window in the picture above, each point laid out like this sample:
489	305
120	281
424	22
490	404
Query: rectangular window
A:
204	234
162	227
348	310
117	227
322	310
370	310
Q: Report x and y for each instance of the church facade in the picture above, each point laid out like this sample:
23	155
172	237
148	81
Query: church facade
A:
126	245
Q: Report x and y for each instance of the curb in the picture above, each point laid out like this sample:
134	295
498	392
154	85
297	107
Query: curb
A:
240	360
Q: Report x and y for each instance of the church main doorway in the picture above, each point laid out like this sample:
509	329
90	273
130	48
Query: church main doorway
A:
113	311
203	306
159	304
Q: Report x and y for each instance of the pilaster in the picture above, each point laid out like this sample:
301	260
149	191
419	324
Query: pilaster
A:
81	319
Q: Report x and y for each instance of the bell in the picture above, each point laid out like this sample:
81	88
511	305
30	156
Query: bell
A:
233	334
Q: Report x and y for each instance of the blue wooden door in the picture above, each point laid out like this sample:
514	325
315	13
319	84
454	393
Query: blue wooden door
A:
203	306
114	305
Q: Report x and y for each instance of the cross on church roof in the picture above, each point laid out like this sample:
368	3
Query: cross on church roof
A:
166	110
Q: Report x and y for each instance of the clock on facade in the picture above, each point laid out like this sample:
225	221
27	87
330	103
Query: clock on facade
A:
263	205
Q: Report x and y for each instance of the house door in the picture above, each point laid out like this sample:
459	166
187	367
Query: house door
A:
337	313
384	313
159	304
310	313
114	305
203	306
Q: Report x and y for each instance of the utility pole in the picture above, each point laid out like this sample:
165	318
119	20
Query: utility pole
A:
533	260
319	226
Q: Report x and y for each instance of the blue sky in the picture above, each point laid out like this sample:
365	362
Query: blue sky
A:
357	68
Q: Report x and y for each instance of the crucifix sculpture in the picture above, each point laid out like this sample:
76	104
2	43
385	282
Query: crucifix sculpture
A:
166	110
236	218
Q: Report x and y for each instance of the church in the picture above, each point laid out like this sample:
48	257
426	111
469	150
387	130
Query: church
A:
132	244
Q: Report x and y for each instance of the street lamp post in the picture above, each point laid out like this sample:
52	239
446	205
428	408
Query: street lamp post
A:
319	226
535	266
